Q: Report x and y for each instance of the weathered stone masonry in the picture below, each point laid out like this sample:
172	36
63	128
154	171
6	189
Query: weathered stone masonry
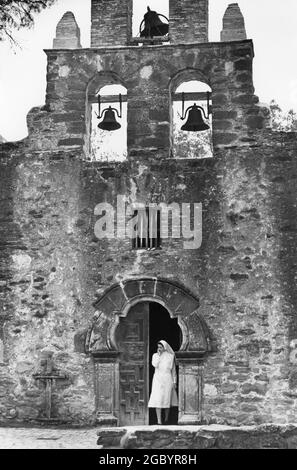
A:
53	268
226	67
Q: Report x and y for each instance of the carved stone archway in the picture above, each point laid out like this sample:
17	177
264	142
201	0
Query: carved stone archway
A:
101	343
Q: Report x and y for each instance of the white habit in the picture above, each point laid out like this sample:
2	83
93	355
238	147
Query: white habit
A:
163	393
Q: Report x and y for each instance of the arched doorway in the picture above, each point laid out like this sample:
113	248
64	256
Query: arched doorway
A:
137	335
171	307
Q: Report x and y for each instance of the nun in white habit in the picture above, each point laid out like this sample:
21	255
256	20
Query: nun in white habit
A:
163	394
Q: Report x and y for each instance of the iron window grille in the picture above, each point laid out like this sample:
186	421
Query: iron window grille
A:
147	234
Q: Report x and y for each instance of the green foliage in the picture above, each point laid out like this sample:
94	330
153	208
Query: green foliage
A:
280	120
15	14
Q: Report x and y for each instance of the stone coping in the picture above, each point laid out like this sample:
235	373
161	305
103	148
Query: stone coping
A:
202	45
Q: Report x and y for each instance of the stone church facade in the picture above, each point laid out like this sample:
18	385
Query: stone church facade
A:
80	316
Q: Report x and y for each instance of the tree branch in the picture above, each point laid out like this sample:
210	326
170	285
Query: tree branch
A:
16	14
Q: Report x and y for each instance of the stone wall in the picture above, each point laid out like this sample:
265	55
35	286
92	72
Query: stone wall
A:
53	268
9	241
111	22
147	73
188	21
258	259
243	273
39	296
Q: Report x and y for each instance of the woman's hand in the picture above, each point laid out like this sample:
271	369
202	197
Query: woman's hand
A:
160	349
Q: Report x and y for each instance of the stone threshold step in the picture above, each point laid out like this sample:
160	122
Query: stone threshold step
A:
265	436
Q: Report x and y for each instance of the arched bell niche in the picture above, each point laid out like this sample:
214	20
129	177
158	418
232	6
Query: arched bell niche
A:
191	115
102	343
106	103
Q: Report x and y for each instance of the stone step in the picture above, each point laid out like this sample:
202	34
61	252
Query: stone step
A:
266	436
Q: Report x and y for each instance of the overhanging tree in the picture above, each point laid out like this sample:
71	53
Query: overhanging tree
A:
15	14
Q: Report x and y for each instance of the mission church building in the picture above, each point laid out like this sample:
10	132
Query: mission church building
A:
159	117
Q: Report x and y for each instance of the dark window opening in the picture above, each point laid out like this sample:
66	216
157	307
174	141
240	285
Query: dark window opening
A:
147	233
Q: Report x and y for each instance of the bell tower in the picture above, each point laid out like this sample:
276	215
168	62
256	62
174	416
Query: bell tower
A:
112	22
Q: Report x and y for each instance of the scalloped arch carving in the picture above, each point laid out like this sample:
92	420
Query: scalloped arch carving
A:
177	299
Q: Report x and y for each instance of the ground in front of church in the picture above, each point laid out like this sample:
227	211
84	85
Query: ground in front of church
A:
265	436
48	438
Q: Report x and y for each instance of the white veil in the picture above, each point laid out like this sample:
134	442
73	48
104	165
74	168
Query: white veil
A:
167	347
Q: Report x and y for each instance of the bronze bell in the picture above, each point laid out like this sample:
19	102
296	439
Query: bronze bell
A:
109	122
153	26
195	122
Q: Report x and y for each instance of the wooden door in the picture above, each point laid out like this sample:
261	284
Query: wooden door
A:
132	339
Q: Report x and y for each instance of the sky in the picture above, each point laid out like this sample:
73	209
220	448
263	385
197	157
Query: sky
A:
270	23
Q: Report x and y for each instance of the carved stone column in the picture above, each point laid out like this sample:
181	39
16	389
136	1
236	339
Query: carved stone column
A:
106	365
190	387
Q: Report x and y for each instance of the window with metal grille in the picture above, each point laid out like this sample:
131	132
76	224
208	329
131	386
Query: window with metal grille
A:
147	233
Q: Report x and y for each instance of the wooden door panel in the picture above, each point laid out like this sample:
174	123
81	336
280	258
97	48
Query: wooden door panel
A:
132	339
